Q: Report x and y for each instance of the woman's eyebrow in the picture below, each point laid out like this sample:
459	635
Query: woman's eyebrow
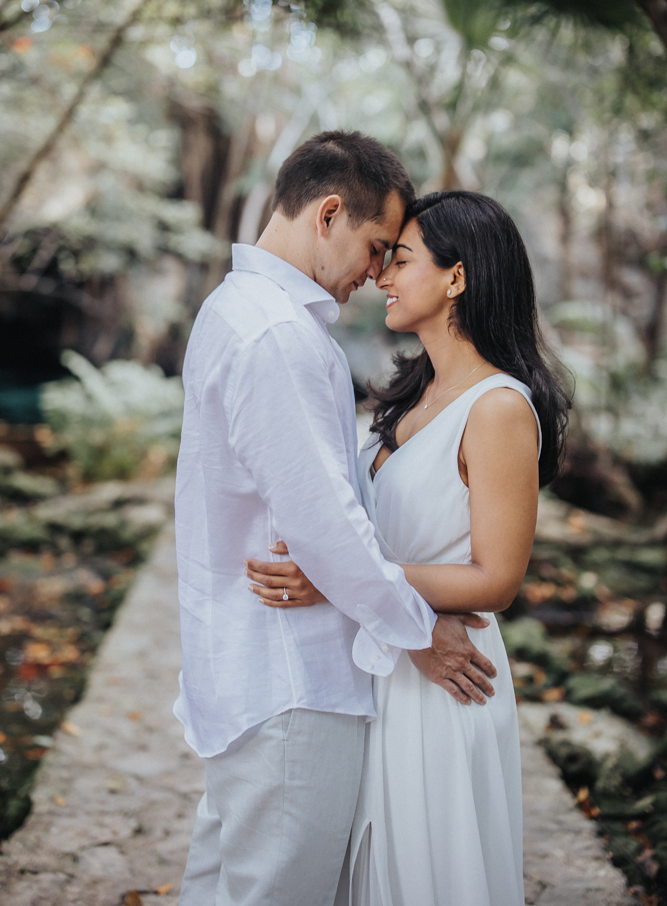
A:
399	245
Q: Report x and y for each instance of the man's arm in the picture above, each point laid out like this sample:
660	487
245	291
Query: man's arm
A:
285	430
452	662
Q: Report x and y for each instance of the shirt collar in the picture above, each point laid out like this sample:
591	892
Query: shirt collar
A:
302	290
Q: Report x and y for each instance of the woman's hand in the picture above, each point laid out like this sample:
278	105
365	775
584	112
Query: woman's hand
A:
275	579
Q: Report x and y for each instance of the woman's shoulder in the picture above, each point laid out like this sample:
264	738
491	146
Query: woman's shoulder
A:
505	408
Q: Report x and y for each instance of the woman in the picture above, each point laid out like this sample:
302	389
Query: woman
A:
462	438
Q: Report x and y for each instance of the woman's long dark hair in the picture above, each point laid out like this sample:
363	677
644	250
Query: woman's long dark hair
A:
496	312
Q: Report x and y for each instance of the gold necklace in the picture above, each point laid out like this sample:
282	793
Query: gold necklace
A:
427	404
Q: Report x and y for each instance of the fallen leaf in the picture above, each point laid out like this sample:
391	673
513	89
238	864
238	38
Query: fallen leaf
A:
576	522
583	794
59	800
37	653
556	722
539	592
95	586
116	783
134	716
132	898
34	754
555	694
71	728
164	889
648	863
3	737
585	717
539	677
47	561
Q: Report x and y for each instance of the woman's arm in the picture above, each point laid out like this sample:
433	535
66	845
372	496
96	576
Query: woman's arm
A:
499	463
499	459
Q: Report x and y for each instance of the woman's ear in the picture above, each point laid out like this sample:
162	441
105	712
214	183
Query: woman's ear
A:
458	284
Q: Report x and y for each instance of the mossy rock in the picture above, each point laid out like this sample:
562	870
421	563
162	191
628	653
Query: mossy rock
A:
577	765
10	461
20	532
526	639
594	690
659	700
623	809
656	829
616	772
660	804
623	849
660	855
28	486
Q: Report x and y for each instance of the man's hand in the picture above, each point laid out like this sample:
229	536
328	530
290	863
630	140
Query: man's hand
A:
453	662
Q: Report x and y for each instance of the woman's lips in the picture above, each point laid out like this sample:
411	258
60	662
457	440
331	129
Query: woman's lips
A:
391	300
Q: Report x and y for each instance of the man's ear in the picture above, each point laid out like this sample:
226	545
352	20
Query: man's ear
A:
329	209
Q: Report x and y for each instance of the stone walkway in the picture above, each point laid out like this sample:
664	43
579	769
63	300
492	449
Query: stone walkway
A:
115	798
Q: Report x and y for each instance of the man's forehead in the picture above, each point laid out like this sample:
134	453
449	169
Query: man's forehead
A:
390	226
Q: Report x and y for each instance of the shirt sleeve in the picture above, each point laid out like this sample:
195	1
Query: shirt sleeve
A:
285	430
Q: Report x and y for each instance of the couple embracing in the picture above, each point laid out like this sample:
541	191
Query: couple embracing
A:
336	670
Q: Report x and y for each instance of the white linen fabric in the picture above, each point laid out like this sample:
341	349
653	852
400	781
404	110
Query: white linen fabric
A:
260	837
268	452
439	816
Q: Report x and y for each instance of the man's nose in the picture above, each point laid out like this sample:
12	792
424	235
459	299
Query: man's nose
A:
374	269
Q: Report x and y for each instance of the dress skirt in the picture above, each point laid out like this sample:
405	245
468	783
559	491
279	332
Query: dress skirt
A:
439	821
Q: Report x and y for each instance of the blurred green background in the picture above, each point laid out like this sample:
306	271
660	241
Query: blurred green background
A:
139	140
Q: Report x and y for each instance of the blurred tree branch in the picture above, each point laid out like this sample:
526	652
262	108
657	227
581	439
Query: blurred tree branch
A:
9	23
613	14
65	119
656	10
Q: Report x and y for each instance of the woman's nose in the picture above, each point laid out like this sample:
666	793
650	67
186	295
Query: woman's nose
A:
383	280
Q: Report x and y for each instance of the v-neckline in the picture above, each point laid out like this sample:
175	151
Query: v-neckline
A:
428	424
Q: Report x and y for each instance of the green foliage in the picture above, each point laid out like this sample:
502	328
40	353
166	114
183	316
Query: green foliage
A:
613	14
111	420
596	691
474	20
526	639
576	763
349	18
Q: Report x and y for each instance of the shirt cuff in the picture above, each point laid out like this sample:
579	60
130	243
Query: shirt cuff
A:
375	656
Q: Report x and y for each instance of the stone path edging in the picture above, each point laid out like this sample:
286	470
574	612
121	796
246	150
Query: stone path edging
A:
128	785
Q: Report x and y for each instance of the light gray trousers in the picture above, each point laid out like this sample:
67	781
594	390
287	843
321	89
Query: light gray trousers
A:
273	826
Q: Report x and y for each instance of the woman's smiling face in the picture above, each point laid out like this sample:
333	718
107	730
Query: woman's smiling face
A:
417	289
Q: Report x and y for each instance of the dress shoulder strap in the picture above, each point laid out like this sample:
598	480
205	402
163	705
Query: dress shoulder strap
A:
492	383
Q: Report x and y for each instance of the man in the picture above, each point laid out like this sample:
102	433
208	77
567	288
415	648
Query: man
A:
275	701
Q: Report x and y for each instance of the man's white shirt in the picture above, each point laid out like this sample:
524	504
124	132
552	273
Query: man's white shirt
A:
268	453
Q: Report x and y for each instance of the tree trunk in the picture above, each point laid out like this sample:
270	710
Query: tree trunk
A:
656	10
565	213
204	153
51	140
655	326
451	145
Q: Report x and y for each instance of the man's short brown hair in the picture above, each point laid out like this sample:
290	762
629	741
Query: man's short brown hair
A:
356	167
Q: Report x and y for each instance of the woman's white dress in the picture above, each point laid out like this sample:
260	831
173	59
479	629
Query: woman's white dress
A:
439	816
